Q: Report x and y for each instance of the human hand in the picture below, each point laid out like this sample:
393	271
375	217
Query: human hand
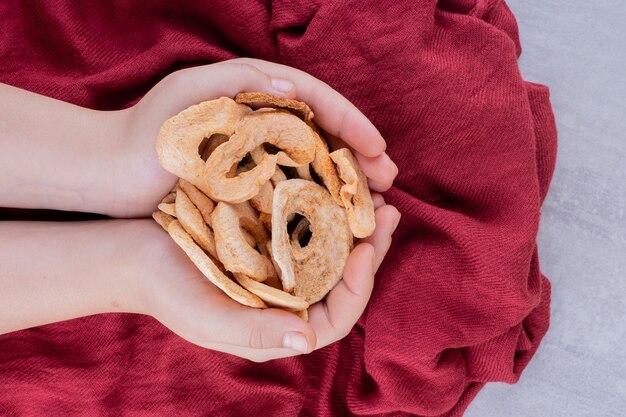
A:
145	182
181	298
106	162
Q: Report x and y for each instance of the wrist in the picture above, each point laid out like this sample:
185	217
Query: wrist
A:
136	181
132	266
42	284
57	155
107	177
147	253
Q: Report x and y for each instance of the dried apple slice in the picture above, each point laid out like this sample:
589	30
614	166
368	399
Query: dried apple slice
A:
202	261
272	296
355	194
310	271
193	223
233	250
180	136
284	130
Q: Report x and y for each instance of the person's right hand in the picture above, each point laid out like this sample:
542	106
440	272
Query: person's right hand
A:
179	296
142	180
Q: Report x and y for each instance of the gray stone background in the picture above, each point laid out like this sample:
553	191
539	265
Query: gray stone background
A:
578	49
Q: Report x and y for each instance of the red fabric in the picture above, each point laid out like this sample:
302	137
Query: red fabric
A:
459	301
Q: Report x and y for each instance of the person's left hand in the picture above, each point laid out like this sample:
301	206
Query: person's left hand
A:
170	288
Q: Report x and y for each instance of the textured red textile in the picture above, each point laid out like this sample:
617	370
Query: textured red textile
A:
459	301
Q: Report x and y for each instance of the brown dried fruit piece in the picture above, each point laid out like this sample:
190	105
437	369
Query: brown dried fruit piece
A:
202	261
325	169
193	223
168	208
163	219
262	202
181	135
311	271
307	263
322	164
258	99
232	248
170	198
355	194
285	131
203	203
272	296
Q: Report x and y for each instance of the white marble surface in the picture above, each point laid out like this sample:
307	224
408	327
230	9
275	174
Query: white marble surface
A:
578	48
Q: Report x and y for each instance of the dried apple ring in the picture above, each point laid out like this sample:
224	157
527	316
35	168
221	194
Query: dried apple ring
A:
201	201
322	164
168	208
278	176
313	270
180	136
355	194
204	263
283	130
233	250
300	109
273	297
163	219
325	169
191	219
263	200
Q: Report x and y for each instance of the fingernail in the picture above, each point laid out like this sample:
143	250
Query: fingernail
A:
296	341
283	86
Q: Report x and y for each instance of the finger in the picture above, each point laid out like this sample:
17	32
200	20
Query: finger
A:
260	329
197	84
255	355
333	112
380	170
376	186
387	219
378	200
333	318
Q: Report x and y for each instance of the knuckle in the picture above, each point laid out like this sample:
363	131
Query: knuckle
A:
245	69
256	338
241	60
175	77
249	75
176	80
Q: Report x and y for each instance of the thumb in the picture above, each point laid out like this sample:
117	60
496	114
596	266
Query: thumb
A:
267	328
186	87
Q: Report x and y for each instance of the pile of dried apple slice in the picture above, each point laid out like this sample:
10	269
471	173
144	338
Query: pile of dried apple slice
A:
262	208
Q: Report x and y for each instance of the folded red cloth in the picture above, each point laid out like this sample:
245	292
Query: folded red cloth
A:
460	299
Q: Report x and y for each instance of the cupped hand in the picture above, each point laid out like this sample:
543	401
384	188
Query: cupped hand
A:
181	298
184	300
143	182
